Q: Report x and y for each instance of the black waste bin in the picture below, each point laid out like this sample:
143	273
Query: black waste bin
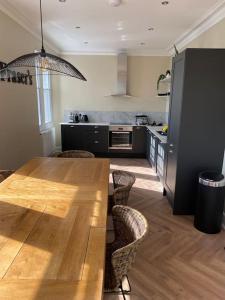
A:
210	202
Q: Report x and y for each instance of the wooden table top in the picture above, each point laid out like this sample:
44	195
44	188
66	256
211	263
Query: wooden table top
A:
53	215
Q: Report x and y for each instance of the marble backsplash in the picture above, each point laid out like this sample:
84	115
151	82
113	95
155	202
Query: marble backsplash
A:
118	117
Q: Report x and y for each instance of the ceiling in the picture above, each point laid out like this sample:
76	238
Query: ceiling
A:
107	29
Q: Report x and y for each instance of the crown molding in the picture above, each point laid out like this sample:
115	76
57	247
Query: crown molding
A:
20	19
159	52
211	18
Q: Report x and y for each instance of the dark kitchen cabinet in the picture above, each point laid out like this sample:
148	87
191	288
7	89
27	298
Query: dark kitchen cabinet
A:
196	124
148	144
139	140
96	139
153	151
93	138
72	137
160	160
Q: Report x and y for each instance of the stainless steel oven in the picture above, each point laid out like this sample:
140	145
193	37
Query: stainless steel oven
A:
120	137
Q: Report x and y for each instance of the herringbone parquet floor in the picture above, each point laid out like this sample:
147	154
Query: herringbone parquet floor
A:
176	261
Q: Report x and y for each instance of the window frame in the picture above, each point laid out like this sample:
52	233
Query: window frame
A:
43	125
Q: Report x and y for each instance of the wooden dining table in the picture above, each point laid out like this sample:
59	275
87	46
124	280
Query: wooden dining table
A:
53	214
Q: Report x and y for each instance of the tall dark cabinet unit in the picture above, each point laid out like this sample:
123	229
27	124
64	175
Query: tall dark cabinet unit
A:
196	137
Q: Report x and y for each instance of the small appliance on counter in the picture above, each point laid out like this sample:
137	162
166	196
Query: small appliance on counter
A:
75	118
85	119
142	120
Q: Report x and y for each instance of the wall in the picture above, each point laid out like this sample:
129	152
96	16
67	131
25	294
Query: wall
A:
212	38
100	72
19	132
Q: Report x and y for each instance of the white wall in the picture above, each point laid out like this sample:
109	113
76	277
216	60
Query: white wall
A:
101	71
19	132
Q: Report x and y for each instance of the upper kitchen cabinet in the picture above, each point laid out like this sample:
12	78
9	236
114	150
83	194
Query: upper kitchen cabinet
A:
196	124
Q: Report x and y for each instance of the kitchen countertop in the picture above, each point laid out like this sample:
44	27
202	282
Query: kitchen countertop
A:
80	123
154	130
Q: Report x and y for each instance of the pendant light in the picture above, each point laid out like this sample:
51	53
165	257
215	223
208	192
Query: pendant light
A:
45	61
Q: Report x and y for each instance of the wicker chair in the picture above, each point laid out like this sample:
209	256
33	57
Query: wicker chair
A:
75	154
5	173
130	230
122	183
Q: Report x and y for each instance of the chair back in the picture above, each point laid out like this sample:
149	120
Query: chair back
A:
122	182
130	230
76	154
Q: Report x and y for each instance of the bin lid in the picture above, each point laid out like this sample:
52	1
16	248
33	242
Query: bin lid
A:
212	178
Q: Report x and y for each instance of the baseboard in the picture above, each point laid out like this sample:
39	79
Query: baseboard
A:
58	148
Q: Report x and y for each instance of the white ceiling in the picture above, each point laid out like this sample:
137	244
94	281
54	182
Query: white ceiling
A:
100	22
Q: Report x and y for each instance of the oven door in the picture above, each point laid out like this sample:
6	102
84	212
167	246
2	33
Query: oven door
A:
120	140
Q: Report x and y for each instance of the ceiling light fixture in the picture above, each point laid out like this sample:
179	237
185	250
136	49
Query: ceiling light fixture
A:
62	0
150	29
142	44
77	27
85	43
115	3
45	61
165	2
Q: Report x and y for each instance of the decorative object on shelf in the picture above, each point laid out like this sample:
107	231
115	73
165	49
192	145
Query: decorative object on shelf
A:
15	77
163	84
44	60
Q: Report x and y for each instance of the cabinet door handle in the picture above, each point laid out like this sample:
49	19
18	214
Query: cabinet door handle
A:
96	127
96	142
170	151
171	145
71	126
96	132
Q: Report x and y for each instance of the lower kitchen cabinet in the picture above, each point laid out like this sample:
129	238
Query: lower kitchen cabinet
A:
139	140
156	154
148	144
72	137
93	138
153	151
160	160
96	139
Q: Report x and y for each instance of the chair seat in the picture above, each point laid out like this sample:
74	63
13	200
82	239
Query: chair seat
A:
110	280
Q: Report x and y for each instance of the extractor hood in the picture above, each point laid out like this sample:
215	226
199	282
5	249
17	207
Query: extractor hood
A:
121	83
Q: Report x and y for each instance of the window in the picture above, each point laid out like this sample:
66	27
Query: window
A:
44	99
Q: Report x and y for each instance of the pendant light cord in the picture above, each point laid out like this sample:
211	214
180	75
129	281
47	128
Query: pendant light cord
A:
42	38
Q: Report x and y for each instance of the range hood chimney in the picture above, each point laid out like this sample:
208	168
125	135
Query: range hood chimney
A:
121	84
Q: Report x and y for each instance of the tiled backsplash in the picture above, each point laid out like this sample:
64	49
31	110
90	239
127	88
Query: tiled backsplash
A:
118	117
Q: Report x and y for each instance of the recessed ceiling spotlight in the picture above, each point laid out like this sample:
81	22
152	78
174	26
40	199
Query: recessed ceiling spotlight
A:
62	0
115	3
142	44
165	2
150	29
77	27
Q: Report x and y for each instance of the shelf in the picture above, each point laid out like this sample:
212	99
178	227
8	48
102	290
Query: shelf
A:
165	96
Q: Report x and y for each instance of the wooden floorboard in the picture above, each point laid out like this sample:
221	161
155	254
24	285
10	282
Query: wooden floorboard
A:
176	261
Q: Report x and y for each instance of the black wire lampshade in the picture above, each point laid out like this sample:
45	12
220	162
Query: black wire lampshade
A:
46	61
